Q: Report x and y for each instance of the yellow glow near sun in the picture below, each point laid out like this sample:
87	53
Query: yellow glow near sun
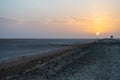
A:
95	24
100	24
97	33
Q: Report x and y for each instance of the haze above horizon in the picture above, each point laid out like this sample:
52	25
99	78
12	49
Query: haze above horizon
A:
59	18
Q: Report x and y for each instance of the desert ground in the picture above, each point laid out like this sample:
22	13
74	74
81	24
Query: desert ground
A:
83	62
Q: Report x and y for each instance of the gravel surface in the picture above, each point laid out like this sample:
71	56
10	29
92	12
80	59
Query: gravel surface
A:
95	62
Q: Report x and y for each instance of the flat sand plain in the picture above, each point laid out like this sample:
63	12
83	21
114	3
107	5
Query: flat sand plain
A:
82	62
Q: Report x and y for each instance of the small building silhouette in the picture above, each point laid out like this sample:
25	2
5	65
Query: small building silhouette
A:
111	36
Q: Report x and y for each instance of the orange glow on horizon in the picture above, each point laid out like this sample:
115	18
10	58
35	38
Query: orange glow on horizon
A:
103	25
90	24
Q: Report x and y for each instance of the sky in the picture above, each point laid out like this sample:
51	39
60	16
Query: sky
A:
59	18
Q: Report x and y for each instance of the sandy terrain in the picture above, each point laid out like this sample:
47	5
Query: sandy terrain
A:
94	62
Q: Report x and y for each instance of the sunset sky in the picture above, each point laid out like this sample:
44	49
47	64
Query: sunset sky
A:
59	18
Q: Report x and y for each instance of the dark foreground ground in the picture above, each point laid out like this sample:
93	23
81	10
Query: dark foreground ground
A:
90	62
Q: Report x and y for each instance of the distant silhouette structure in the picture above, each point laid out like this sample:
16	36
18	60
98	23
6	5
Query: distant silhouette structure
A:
111	36
97	40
